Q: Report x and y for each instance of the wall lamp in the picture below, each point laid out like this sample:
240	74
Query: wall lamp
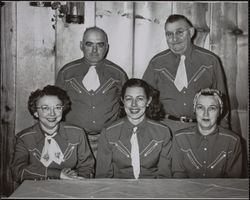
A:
72	11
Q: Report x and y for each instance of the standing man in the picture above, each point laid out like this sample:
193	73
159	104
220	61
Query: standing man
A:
181	71
94	85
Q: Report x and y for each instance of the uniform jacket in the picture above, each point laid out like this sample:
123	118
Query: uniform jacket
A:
114	157
28	149
217	155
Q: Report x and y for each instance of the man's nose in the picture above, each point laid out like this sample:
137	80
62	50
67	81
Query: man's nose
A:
94	48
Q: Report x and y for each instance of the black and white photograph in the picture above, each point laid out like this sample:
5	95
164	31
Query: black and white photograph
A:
124	100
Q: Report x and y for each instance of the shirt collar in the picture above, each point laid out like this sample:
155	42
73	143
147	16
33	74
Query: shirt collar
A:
89	64
188	52
140	126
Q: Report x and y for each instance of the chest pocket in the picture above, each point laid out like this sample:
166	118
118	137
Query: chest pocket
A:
191	157
151	147
222	156
121	148
75	85
68	152
111	83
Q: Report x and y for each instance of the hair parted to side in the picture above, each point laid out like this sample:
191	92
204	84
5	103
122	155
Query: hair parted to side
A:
49	90
155	109
177	17
209	92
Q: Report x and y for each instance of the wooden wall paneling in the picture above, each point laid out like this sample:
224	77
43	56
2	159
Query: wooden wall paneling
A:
35	56
149	32
69	35
224	43
7	95
242	83
116	18
198	14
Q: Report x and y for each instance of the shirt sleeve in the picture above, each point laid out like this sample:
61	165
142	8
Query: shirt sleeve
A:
60	82
85	159
22	169
164	164
104	167
220	84
234	164
149	75
178	169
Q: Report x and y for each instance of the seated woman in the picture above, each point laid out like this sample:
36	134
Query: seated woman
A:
136	146
206	150
51	148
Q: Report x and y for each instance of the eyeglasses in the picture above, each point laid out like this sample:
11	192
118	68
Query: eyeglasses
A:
46	109
179	33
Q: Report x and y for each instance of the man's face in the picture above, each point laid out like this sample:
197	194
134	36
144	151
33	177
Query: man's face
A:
207	112
178	35
94	46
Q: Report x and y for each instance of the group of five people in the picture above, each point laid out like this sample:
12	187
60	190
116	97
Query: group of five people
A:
95	122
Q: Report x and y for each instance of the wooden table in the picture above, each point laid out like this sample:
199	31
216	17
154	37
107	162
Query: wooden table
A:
131	188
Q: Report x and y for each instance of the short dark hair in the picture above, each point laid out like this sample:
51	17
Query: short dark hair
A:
177	17
49	90
155	109
96	29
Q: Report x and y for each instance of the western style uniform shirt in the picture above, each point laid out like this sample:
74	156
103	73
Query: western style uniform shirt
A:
114	150
28	149
217	155
203	71
95	109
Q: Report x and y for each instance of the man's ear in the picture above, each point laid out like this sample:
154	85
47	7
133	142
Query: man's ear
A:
81	45
36	114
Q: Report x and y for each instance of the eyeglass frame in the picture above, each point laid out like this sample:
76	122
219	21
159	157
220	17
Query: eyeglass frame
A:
180	34
55	109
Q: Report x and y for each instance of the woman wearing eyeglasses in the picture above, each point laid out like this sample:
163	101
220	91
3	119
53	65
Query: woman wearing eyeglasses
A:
51	149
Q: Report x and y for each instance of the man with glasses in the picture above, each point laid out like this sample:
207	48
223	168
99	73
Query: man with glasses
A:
94	85
181	71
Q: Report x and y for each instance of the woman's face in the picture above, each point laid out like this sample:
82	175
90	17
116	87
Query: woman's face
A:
207	112
135	102
49	112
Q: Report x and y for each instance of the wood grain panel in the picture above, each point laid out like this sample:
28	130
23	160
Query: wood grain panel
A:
8	95
35	56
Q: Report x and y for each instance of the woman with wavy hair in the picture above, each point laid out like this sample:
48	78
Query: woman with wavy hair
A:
51	148
137	145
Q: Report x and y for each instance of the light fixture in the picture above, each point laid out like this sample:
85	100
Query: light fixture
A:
72	11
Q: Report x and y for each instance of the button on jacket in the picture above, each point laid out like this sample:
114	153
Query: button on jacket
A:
29	145
203	71
92	110
114	150
217	155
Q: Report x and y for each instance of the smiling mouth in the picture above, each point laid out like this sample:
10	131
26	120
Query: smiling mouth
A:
51	119
134	111
206	120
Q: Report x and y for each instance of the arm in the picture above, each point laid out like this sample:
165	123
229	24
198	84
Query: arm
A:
178	169
149	75
164	164
234	163
60	80
104	167
220	84
22	168
85	159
